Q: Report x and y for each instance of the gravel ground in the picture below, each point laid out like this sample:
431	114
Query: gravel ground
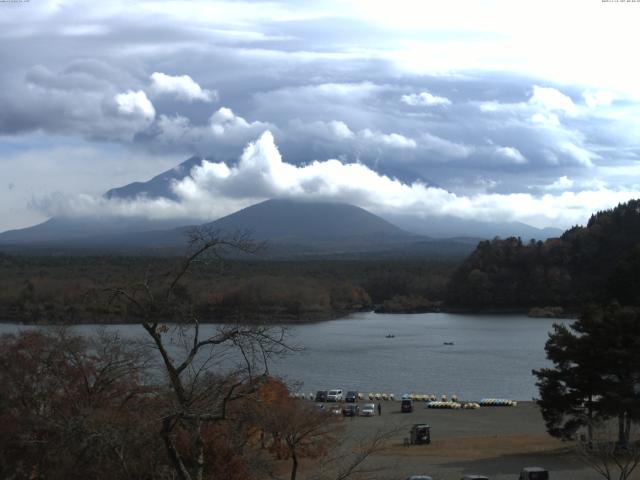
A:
493	441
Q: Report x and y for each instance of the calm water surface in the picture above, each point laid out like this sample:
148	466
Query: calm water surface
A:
492	355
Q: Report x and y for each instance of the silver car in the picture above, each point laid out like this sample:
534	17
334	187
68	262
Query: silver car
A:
369	410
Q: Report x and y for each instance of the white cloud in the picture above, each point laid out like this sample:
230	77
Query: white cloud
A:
84	30
340	129
182	87
224	133
352	91
135	104
492	106
601	98
215	189
338	133
424	99
175	129
511	154
319	96
581	155
445	147
224	122
555	117
394	140
562	183
546	119
553	100
543	106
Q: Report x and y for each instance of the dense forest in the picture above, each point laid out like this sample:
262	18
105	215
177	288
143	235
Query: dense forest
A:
596	263
51	289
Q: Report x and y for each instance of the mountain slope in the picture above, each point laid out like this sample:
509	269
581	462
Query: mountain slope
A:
85	231
288	220
158	186
449	227
103	231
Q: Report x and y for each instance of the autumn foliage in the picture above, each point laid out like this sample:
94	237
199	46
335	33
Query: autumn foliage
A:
75	408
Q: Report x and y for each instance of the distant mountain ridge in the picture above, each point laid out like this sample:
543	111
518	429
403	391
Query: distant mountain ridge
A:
292	230
450	227
62	230
306	224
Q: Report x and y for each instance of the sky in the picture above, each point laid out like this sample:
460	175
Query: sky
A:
487	110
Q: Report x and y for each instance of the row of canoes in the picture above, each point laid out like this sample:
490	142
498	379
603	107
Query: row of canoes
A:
453	405
498	402
432	400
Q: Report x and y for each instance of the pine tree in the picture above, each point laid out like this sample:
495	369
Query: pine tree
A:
596	373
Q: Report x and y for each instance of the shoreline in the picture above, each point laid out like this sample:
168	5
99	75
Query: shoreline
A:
290	319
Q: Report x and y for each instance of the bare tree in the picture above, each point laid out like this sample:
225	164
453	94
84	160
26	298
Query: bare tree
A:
298	430
211	370
605	454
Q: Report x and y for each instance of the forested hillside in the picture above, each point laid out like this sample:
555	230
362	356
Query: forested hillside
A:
598	262
68	289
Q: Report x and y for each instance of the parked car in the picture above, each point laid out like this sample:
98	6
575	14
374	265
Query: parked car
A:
335	410
369	410
419	477
321	396
406	406
534	473
474	477
350	410
420	434
334	396
351	397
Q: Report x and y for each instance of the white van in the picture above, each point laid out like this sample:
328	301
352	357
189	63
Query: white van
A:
334	396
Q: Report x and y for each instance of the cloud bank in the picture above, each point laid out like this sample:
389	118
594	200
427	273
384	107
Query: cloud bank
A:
214	189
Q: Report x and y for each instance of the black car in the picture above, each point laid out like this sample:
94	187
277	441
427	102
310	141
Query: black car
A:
321	396
420	434
534	473
350	410
406	406
351	397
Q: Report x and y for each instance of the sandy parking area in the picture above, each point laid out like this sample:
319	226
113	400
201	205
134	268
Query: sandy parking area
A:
494	441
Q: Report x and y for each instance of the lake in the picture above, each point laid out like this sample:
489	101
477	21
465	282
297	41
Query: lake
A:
491	355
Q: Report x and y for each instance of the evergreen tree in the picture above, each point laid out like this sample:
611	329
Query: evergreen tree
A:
596	373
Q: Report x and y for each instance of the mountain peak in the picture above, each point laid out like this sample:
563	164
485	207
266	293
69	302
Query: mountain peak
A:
158	186
286	219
